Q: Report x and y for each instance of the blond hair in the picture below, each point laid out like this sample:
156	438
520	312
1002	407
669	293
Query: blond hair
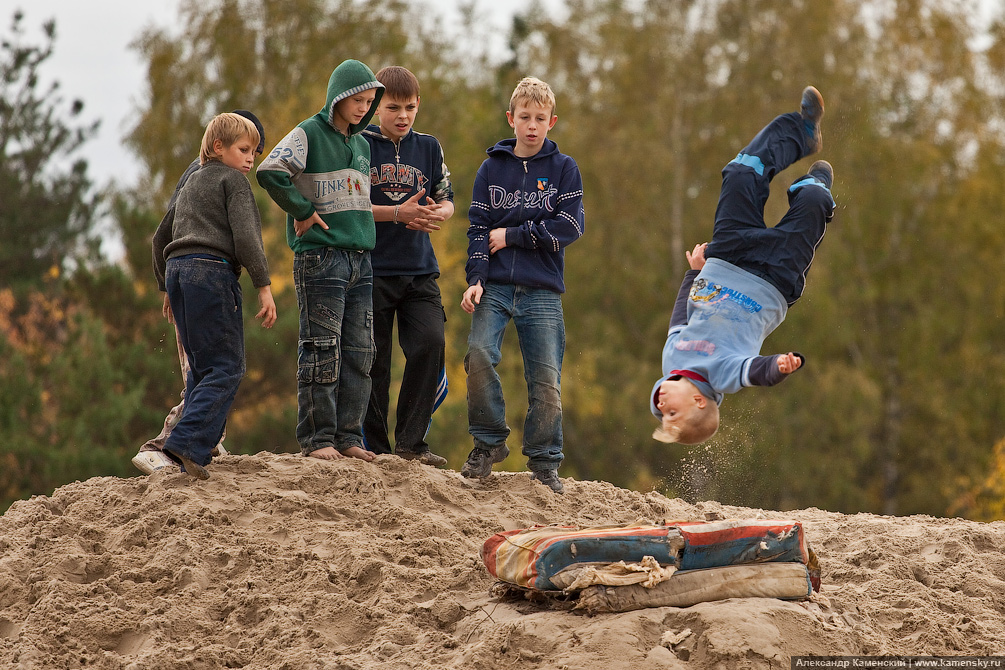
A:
694	427
532	90
228	128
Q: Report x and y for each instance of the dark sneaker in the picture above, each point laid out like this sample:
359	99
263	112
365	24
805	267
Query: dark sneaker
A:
823	171
811	107
479	463
425	457
550	479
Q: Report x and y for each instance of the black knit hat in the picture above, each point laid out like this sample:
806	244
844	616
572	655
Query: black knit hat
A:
258	124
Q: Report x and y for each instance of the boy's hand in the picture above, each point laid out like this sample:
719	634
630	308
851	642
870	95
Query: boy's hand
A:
301	227
472	297
409	209
166	309
497	239
426	215
267	313
788	363
696	257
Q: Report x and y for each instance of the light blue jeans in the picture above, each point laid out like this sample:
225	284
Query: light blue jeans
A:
335	350
540	329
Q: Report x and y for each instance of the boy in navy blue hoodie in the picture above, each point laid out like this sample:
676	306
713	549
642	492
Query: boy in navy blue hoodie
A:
411	195
741	284
527	206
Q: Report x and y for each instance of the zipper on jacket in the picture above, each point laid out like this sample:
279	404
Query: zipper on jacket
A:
523	195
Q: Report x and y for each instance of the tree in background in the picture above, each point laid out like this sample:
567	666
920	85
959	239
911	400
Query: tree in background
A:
46	211
72	358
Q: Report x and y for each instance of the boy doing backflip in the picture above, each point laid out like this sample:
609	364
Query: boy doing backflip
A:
741	284
526	208
411	195
199	249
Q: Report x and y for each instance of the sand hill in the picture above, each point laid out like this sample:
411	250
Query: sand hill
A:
284	563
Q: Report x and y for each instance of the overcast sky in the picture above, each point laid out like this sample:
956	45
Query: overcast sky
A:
92	61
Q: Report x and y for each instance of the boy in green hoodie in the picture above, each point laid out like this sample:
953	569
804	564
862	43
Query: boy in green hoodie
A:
319	174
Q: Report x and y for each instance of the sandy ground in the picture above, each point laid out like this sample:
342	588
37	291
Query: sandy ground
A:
280	562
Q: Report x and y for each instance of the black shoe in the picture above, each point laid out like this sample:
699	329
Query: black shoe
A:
811	107
479	463
550	479
823	172
425	457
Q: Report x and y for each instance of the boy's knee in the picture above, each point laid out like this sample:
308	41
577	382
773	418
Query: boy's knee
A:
818	195
431	344
478	359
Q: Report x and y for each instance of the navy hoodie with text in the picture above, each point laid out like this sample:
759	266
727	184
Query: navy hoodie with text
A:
540	201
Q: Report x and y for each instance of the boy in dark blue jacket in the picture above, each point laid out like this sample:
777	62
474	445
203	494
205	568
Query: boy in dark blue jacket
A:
411	195
527	206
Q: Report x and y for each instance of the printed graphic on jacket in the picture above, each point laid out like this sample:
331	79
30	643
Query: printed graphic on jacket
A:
731	305
397	180
500	198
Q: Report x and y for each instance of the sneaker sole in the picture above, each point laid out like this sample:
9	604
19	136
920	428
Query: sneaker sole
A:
824	167
812	115
816	113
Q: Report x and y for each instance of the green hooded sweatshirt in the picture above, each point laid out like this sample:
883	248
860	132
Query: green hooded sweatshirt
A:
316	168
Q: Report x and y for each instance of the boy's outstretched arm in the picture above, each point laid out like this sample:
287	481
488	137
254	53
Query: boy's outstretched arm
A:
771	370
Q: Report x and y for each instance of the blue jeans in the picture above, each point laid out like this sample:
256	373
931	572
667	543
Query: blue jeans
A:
781	255
335	349
205	297
540	329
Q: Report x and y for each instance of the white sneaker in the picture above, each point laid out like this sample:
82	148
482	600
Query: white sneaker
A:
149	462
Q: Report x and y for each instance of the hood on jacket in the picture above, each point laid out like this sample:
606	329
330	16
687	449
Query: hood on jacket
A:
349	78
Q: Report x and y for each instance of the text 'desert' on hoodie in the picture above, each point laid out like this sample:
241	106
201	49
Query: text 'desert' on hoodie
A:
317	168
539	200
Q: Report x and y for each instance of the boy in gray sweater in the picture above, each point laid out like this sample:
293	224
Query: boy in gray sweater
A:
198	252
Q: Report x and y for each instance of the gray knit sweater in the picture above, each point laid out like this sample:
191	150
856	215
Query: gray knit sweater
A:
215	214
